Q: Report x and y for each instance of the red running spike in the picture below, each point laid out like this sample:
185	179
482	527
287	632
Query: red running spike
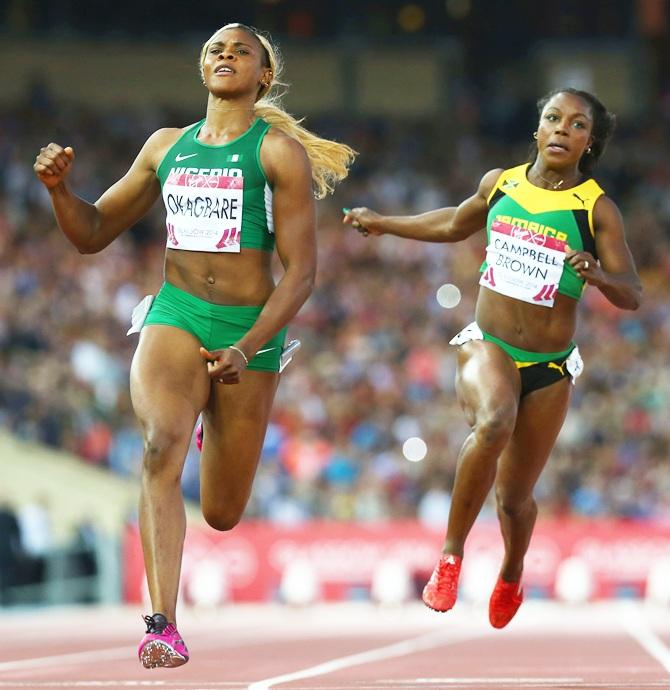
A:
441	590
504	602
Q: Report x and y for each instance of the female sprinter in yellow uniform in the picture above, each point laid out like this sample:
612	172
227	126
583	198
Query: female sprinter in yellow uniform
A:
551	231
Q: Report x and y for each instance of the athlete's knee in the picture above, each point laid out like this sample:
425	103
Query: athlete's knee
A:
514	506
222	511
160	452
220	518
494	427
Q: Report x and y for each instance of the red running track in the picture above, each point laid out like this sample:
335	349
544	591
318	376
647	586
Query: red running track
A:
609	645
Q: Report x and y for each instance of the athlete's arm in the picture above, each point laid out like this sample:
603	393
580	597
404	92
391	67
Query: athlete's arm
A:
288	170
91	227
614	274
450	224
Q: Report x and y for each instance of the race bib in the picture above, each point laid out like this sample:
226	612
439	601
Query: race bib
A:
203	212
523	264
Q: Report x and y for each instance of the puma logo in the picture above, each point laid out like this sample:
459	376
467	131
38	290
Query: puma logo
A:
579	198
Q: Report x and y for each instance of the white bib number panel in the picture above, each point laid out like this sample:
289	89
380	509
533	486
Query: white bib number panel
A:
523	264
203	212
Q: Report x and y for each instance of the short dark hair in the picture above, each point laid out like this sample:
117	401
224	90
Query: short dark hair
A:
604	123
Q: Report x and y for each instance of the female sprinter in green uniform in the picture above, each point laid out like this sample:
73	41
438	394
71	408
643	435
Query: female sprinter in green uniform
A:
234	185
551	230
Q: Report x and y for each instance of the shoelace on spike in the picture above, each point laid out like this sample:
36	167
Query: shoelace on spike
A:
157	627
444	584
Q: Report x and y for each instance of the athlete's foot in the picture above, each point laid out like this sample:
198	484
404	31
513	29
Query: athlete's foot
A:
162	645
504	602
441	590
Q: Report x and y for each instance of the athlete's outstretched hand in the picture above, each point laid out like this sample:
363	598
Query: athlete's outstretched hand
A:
225	365
364	220
53	164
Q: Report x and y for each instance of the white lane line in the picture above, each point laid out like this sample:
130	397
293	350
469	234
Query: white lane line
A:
558	683
416	644
117	684
418	684
91	656
640	631
496	681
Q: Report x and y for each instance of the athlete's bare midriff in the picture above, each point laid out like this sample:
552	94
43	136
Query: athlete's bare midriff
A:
243	278
527	326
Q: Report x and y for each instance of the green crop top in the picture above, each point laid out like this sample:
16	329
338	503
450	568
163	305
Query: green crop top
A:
217	198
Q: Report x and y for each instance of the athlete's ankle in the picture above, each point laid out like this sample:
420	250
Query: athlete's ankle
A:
511	572
452	548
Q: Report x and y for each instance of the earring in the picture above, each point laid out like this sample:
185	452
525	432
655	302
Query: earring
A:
588	150
534	135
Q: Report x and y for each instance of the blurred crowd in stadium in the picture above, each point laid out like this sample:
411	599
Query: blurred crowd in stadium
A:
375	367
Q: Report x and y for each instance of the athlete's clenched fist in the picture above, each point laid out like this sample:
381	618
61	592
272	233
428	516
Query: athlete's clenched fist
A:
53	164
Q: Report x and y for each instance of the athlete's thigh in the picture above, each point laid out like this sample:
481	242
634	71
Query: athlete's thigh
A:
235	422
539	421
169	384
487	381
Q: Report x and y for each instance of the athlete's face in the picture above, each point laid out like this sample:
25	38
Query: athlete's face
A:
564	131
235	64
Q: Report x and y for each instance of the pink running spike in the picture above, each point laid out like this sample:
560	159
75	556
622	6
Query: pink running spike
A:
162	645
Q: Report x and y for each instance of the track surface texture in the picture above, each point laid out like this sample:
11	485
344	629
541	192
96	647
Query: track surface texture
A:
608	645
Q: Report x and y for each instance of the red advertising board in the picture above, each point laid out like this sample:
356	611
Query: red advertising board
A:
252	557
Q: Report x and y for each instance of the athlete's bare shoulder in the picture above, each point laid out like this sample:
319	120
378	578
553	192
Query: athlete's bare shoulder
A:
491	177
159	143
280	151
488	182
276	138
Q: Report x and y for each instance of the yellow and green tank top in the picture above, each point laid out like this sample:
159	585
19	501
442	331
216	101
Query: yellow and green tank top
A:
217	198
527	230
